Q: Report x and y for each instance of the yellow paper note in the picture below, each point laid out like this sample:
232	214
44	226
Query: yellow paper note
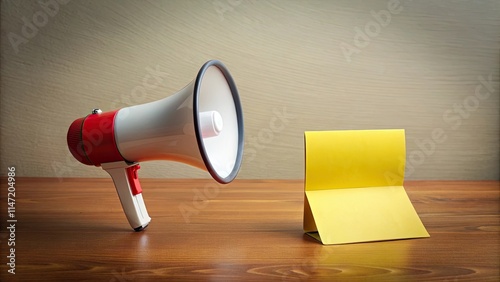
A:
354	187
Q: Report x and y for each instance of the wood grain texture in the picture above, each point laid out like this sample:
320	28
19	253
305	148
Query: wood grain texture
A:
249	230
416	70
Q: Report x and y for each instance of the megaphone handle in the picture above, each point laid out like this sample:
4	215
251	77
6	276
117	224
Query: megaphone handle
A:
129	191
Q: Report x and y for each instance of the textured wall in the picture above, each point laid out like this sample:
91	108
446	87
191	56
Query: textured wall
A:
430	67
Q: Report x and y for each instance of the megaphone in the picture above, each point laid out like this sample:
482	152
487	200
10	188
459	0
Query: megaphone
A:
201	125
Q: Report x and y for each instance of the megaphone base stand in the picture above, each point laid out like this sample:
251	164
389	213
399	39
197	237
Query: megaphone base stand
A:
129	191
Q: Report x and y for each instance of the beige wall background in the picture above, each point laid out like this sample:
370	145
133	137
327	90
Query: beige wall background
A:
425	66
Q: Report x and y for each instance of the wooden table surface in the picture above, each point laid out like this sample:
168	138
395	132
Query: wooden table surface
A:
75	229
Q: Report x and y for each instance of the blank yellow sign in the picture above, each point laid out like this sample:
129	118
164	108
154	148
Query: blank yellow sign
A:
354	187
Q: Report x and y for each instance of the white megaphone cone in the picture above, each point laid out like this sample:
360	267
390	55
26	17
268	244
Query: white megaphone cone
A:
201	125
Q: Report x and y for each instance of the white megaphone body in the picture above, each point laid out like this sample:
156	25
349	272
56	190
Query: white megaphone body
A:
201	125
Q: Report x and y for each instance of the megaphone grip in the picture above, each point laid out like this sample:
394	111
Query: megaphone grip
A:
129	191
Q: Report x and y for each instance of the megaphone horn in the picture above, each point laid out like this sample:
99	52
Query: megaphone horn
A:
201	125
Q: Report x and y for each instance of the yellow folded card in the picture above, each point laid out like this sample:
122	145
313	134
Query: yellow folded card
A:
354	187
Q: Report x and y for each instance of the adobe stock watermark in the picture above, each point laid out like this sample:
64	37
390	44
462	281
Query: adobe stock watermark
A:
278	122
372	29
122	276
39	19
453	117
153	79
139	93
11	219
303	270
201	197
223	6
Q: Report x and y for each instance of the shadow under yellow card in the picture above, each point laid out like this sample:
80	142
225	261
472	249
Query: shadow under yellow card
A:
354	187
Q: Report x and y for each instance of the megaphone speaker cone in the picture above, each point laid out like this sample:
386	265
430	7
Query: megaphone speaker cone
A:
215	91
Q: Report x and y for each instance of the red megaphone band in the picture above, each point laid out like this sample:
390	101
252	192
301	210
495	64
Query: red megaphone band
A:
91	139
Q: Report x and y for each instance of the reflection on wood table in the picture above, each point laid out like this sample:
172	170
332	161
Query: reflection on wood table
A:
75	229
